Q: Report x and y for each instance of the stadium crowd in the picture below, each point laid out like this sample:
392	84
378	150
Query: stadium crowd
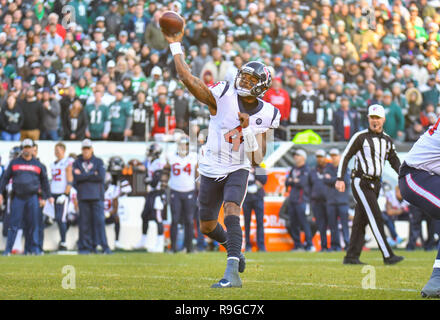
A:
102	69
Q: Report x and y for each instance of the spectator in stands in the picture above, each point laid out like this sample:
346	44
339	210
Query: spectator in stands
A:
280	98
113	19
217	66
98	119
419	70
200	60
138	23
181	109
306	106
121	117
153	36
399	98
54	40
346	121
75	122
11	119
33	115
316	53
142	117
431	94
51	116
395	122
164	120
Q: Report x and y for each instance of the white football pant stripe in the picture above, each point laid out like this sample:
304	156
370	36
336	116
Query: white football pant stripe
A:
374	228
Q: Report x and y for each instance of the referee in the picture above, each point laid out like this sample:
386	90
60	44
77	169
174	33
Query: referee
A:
371	147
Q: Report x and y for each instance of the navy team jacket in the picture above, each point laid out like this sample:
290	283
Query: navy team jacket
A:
334	196
27	178
316	182
299	192
90	182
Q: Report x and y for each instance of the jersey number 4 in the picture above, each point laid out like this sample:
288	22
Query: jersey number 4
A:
234	137
434	127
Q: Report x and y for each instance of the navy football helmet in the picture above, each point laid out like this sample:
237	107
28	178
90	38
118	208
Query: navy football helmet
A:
258	70
154	151
115	165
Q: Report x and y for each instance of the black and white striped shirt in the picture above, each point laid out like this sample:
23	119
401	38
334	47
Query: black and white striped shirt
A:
370	150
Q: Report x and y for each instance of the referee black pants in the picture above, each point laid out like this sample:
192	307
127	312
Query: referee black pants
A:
367	211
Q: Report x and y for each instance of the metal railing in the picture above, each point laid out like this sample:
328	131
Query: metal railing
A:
325	132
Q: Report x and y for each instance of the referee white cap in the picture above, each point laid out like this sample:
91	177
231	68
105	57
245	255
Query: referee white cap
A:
376	110
301	152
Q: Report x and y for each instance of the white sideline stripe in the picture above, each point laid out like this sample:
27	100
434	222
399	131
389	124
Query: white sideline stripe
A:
422	192
370	216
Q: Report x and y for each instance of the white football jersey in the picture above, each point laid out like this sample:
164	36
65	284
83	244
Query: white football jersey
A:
152	167
122	206
224	152
110	194
72	200
183	172
156	164
58	183
425	153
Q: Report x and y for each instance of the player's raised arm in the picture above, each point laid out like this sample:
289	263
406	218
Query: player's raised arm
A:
196	86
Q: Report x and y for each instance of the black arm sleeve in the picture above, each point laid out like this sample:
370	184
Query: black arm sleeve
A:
353	146
393	159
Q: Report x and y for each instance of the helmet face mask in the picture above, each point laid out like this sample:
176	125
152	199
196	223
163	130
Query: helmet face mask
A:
154	151
116	165
260	73
183	146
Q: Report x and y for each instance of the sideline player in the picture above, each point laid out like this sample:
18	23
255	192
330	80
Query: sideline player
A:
237	133
183	167
155	200
111	196
60	185
419	183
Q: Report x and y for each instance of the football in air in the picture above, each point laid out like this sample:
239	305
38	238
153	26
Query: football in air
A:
171	22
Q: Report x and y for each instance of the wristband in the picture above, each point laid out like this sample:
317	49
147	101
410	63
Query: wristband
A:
176	48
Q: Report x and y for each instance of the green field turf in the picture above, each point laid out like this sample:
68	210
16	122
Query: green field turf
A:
268	276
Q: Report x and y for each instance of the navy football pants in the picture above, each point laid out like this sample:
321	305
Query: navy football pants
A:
24	213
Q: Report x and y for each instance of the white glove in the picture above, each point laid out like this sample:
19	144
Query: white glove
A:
61	199
250	141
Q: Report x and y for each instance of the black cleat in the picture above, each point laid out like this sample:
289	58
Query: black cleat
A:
242	263
393	260
352	261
